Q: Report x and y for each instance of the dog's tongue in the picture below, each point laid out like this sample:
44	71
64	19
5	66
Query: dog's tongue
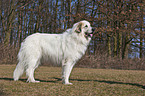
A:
91	35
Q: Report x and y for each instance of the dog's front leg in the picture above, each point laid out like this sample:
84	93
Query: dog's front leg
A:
66	70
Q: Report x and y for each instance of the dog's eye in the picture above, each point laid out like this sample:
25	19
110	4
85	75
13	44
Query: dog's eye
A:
86	26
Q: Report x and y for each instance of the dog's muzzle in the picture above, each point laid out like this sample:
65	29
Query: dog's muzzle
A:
90	34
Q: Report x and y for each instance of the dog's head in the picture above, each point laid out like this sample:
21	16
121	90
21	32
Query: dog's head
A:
84	29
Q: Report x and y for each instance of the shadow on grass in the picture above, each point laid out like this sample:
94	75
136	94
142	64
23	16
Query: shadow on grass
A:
102	81
25	80
109	82
11	79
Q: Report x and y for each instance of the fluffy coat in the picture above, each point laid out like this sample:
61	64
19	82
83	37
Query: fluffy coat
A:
64	49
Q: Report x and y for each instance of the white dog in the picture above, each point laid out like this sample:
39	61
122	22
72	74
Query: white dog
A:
65	49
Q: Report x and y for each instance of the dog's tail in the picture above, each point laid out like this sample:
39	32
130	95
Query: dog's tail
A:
20	66
18	71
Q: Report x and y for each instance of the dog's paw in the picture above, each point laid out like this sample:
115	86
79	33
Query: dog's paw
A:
36	81
68	83
33	81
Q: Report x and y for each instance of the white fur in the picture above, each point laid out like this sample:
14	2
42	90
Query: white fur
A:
65	49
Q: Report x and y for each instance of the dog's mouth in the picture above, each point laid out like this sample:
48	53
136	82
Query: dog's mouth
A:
90	35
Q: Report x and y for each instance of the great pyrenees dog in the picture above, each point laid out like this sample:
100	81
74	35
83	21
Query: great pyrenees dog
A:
65	49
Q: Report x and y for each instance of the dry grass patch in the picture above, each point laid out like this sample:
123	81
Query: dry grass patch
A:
86	82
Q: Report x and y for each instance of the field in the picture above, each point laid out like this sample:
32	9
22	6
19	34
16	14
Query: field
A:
86	82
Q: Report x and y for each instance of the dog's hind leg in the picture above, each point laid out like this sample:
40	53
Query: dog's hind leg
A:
30	71
30	74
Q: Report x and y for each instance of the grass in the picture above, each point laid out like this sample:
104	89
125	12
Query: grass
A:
86	82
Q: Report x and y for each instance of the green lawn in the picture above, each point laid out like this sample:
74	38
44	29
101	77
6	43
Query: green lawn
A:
86	82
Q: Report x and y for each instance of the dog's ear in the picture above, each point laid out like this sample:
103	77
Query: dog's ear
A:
79	27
